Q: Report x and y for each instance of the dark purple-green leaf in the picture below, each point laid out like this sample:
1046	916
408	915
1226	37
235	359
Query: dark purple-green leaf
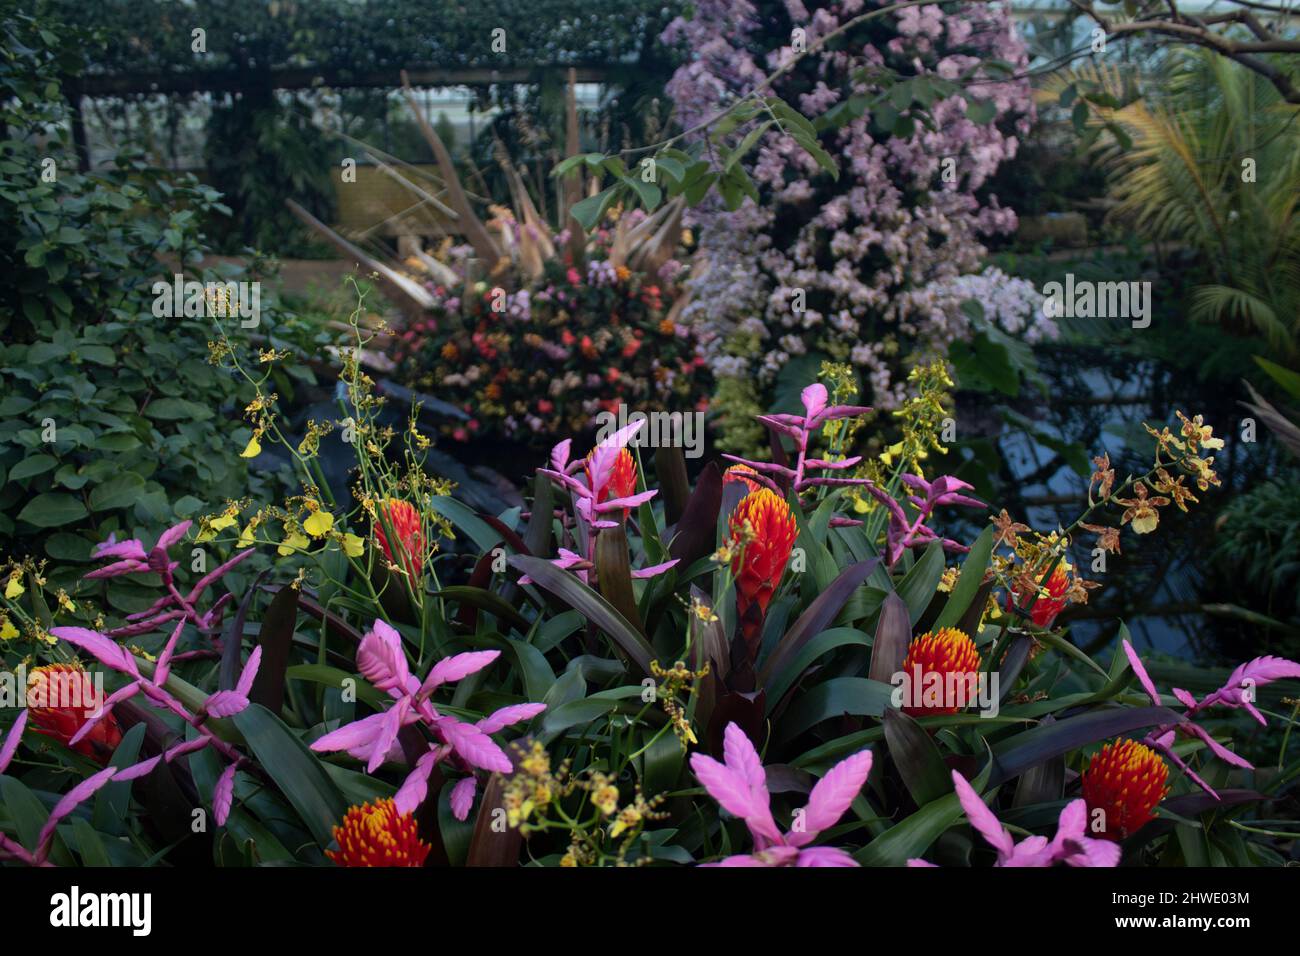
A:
674	487
917	758
696	533
275	639
893	634
819	615
591	605
614	574
1028	749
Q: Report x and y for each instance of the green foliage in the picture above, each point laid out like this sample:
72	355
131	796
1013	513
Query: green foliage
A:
1259	548
260	149
111	418
1209	157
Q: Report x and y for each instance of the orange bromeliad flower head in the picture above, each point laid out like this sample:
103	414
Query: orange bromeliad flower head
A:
741	473
377	835
942	670
1125	780
405	522
621	482
61	698
763	531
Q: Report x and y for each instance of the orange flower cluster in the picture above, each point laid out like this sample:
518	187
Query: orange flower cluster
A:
942	668
1125	780
377	835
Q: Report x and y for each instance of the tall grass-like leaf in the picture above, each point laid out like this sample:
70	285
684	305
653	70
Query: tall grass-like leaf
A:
297	771
917	758
1030	748
855	696
591	605
275	639
893	634
1043	783
913	836
920	583
231	663
822	644
484	600
614	574
819	615
696	533
489	846
968	584
674	487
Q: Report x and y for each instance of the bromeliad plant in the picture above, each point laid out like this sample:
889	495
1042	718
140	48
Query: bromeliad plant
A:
595	684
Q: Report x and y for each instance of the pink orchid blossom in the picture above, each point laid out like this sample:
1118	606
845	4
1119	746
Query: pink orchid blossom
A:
584	478
739	784
1238	692
800	428
467	747
1071	845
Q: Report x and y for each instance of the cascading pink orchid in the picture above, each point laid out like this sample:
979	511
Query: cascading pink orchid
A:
1071	845
800	428
739	784
174	606
222	703
902	532
466	747
1238	692
584	479
13	850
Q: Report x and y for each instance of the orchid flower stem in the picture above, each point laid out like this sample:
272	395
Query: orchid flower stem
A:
1273	833
1286	736
650	743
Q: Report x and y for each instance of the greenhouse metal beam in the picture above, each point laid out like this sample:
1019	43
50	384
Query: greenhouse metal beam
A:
234	81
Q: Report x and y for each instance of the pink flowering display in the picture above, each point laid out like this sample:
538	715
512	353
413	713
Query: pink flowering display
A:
532	363
1239	692
878	263
739	784
466	747
644	668
1071	845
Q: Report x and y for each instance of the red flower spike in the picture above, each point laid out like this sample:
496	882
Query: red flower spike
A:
760	562
405	522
